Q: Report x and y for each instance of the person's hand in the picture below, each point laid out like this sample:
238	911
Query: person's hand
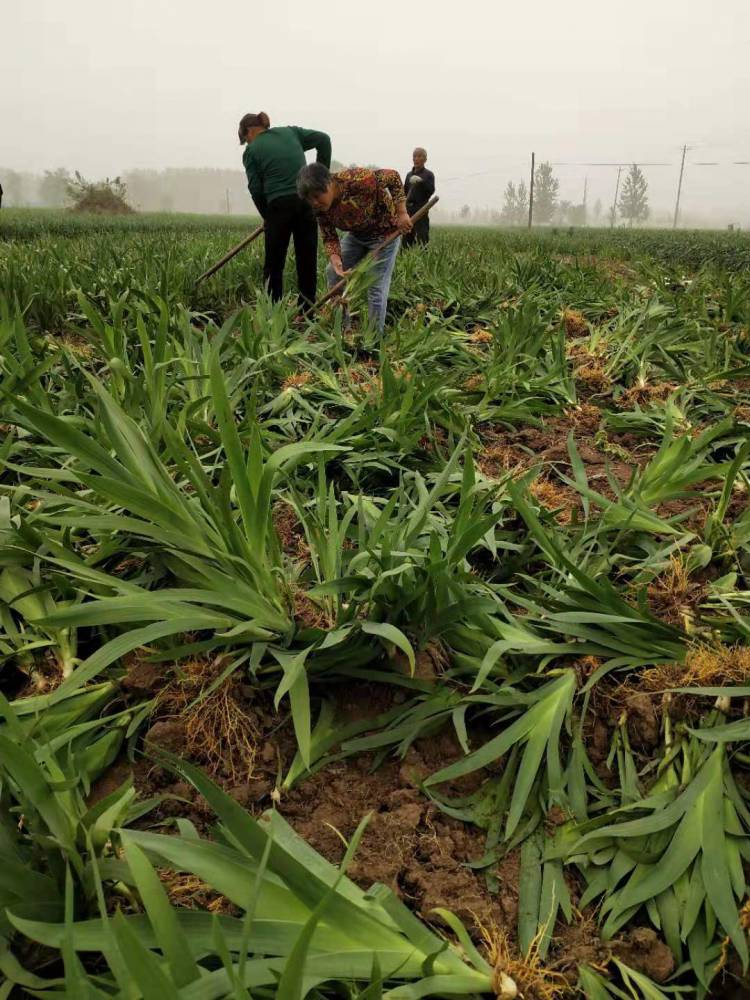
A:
403	223
338	266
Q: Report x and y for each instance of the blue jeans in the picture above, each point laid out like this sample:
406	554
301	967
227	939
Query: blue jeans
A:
353	249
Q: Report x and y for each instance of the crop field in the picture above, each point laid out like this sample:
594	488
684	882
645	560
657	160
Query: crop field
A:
332	668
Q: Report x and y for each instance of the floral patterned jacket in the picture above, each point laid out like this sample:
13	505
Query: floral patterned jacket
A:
367	205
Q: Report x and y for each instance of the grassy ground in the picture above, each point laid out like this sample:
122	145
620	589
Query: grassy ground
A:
485	581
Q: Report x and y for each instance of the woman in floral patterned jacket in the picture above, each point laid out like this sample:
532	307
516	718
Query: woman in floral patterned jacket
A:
369	205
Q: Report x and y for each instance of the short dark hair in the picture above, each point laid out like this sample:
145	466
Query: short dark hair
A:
314	178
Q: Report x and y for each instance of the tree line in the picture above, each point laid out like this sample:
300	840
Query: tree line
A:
168	190
632	205
225	191
174	189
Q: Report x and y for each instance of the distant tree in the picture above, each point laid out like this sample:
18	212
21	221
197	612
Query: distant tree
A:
522	200
509	203
562	211
53	187
13	186
144	189
577	215
465	212
187	189
515	205
546	186
107	197
509	214
597	209
634	200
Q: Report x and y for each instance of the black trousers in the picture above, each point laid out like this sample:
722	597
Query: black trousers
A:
288	217
419	234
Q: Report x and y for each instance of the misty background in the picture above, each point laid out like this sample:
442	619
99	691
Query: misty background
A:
152	92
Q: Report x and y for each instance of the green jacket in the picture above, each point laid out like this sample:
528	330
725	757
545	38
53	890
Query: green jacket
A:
274	159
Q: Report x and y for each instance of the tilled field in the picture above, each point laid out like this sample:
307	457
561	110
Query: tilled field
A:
482	586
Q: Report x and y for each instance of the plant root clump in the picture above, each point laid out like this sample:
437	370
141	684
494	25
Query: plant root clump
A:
585	417
221	732
645	392
561	500
188	892
575	323
674	597
704	666
308	614
585	666
44	676
525	977
296	381
290	531
497	459
593	377
370	387
77	346
584	353
481	337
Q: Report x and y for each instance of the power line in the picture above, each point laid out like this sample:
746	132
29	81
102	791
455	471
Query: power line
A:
477	173
586	163
627	163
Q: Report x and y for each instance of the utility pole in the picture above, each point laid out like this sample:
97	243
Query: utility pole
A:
531	191
679	189
614	203
227	194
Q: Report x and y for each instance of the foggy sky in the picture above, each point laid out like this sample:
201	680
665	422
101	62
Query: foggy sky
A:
104	87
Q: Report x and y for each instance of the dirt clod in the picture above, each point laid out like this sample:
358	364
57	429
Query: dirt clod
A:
409	845
144	679
643	950
168	734
643	721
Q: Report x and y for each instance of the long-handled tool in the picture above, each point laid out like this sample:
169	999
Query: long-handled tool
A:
340	285
232	253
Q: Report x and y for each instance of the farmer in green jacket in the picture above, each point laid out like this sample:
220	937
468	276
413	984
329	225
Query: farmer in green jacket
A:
272	159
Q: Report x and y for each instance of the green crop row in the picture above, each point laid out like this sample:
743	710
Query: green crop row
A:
525	513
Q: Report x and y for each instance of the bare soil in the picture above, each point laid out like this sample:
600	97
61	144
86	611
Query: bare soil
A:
517	450
409	845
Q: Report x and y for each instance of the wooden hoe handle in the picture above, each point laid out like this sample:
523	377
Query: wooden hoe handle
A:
339	286
232	253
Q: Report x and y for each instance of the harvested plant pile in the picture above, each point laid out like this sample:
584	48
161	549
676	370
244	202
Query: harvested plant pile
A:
465	615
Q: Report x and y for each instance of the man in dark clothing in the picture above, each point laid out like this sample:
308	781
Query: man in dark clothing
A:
419	187
1	196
